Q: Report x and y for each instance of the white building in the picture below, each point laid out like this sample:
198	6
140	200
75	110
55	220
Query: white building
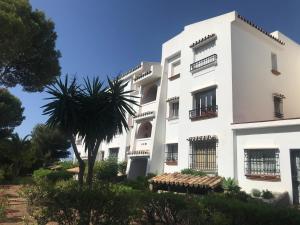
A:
224	99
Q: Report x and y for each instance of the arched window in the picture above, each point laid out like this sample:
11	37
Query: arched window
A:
144	130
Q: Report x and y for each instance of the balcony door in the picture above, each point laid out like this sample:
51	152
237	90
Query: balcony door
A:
295	169
204	100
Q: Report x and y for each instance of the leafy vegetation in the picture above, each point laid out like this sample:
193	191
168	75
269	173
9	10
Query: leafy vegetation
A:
11	112
256	193
104	203
46	175
230	185
106	170
122	166
27	41
266	194
193	172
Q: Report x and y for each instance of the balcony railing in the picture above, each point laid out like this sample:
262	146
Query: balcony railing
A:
204	112
138	153
204	63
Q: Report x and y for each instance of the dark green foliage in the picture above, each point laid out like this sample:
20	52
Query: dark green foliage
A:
27	41
266	194
256	193
140	183
193	172
67	165
122	167
103	203
46	175
230	185
16	156
11	112
50	144
250	212
106	170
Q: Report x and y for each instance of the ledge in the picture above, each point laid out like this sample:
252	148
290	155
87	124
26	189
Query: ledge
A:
272	178
171	163
174	77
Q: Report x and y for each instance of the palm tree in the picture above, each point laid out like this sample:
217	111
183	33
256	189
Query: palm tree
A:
94	112
64	111
17	150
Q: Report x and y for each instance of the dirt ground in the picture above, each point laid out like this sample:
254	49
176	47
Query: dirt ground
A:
16	213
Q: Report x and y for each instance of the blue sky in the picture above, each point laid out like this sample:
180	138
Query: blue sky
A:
106	37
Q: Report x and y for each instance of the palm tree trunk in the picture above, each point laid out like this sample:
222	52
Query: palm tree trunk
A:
92	154
79	159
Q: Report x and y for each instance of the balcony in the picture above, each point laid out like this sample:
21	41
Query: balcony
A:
139	153
204	63
204	112
151	74
144	116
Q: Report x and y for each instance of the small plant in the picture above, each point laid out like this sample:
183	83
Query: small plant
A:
256	193
230	185
266	194
106	170
193	172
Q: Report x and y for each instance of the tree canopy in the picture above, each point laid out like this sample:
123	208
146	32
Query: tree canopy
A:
28	55
11	112
50	144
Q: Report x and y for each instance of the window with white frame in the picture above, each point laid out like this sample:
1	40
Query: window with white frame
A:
174	110
172	153
262	162
274	62
175	69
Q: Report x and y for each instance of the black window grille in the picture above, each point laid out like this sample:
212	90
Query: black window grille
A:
278	106
203	155
172	153
113	153
262	162
210	60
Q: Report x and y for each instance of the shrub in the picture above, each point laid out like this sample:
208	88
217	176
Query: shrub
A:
2	176
193	172
106	170
256	193
266	194
251	212
67	203
230	185
141	182
45	175
122	166
67	164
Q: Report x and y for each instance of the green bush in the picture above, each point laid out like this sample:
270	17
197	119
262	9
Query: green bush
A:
106	170
122	166
2	176
46	175
67	165
141	182
266	194
256	193
67	203
193	172
251	212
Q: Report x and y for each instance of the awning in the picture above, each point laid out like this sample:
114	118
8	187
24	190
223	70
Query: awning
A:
186	180
73	170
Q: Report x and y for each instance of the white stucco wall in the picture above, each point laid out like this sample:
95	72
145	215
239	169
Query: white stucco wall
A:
285	138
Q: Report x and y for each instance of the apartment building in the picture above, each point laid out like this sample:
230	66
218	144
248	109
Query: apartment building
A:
224	100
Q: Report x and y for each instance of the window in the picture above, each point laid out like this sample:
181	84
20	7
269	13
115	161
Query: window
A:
204	105
203	155
274	61
278	105
262	162
113	153
174	110
175	70
172	154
